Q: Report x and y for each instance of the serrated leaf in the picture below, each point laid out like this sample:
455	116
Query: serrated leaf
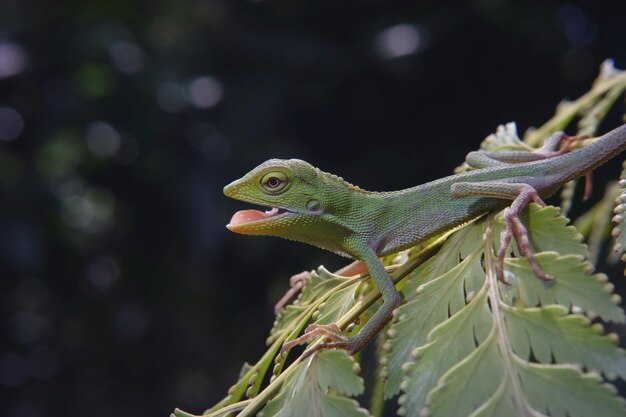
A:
557	390
309	389
454	396
339	373
572	393
469	325
457	247
547	230
573	285
431	305
555	335
619	231
437	381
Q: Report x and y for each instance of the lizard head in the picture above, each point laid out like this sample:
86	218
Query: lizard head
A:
290	188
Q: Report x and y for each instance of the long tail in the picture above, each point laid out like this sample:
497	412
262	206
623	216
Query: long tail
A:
576	164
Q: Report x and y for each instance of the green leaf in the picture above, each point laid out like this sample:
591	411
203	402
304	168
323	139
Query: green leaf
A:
501	404
431	303
532	389
563	390
338	304
455	396
457	247
555	335
619	232
310	389
548	231
438	356
339	373
573	285
486	332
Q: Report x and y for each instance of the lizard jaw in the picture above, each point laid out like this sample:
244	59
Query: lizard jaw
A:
253	222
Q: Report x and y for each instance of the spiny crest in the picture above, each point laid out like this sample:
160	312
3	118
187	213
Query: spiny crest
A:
348	185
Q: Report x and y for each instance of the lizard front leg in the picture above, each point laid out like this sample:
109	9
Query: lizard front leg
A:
521	194
391	300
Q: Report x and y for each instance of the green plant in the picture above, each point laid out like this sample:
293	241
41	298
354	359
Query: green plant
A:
464	344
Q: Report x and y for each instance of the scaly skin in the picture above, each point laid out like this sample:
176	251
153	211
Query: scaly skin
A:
325	211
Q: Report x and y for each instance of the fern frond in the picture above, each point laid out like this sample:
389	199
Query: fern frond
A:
320	386
489	355
619	232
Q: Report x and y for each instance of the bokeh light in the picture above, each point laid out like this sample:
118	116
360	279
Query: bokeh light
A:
401	40
205	92
11	124
12	59
102	139
127	57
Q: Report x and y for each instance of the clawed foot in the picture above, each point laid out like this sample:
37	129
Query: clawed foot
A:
331	331
296	282
513	227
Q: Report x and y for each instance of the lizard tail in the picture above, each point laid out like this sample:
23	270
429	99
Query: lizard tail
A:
576	164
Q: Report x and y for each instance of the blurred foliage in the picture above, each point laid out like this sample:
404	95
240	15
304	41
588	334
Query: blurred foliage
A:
120	122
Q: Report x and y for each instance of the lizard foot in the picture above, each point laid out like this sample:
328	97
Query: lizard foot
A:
297	282
515	228
331	331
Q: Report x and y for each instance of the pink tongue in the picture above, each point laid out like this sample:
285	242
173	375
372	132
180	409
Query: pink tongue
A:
246	216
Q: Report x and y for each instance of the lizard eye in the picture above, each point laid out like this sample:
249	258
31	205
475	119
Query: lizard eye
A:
275	182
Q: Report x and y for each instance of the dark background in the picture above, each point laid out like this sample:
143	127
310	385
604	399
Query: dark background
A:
120	289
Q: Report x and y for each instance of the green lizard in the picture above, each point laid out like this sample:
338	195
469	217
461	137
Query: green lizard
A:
311	206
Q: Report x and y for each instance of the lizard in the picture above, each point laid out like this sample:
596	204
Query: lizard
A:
311	206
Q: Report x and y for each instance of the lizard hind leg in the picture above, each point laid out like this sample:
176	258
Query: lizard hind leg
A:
521	194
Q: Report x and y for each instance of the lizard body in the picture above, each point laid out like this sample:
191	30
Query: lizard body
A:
324	210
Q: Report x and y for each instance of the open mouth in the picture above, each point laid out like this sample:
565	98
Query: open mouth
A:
247	217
